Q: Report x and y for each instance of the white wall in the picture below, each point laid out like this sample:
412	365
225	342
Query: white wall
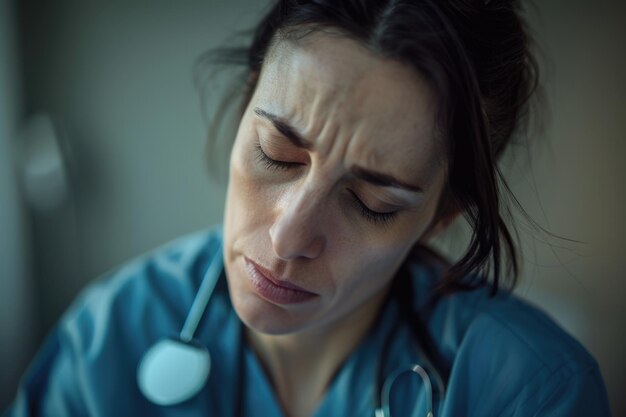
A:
117	78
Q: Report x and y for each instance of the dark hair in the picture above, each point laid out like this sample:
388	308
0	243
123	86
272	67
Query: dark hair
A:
476	55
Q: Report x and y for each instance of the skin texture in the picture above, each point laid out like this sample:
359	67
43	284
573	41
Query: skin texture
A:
305	221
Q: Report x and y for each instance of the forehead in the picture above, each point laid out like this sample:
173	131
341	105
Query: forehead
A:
330	83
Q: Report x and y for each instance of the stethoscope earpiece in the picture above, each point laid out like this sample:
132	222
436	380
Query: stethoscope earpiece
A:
172	371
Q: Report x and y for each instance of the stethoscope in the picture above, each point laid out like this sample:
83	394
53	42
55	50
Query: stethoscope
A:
382	402
175	369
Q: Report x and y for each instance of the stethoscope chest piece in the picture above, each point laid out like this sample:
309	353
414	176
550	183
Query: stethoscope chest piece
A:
173	371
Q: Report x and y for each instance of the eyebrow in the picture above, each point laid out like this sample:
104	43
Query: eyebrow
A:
284	128
373	177
385	180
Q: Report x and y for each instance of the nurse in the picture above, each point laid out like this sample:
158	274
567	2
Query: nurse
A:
368	127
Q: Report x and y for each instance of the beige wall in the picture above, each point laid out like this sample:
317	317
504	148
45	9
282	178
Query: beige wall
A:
117	78
580	181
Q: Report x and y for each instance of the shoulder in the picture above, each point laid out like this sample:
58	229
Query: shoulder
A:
151	292
479	318
94	350
506	344
175	260
179	263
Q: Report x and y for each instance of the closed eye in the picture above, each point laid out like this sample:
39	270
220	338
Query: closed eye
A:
273	164
376	217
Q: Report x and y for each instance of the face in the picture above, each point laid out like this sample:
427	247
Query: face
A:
335	174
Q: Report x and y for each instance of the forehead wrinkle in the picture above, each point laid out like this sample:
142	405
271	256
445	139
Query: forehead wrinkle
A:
417	141
305	98
411	163
317	103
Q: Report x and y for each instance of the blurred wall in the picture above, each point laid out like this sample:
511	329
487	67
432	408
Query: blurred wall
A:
16	295
577	185
116	80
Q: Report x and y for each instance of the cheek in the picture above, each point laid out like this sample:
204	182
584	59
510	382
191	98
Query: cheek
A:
371	267
246	202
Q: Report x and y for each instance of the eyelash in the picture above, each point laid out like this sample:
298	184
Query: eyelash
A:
372	216
272	164
368	214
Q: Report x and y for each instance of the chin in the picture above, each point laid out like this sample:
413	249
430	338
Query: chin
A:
264	317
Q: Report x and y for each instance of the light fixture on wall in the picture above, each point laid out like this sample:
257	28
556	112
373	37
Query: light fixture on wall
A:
43	164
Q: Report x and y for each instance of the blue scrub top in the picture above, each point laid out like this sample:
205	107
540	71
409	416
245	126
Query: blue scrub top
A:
502	356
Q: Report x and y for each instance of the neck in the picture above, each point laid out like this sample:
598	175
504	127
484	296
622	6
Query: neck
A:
301	365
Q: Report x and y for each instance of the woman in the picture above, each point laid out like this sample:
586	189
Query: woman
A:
368	127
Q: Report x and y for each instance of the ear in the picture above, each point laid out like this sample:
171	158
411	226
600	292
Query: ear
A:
439	225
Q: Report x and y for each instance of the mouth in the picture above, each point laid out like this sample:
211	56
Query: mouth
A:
273	289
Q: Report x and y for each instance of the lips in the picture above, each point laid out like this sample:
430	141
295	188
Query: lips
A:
273	289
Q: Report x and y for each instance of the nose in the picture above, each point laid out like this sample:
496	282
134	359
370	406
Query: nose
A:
297	231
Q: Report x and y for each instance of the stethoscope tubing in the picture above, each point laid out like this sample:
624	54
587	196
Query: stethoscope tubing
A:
198	307
381	402
384	410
